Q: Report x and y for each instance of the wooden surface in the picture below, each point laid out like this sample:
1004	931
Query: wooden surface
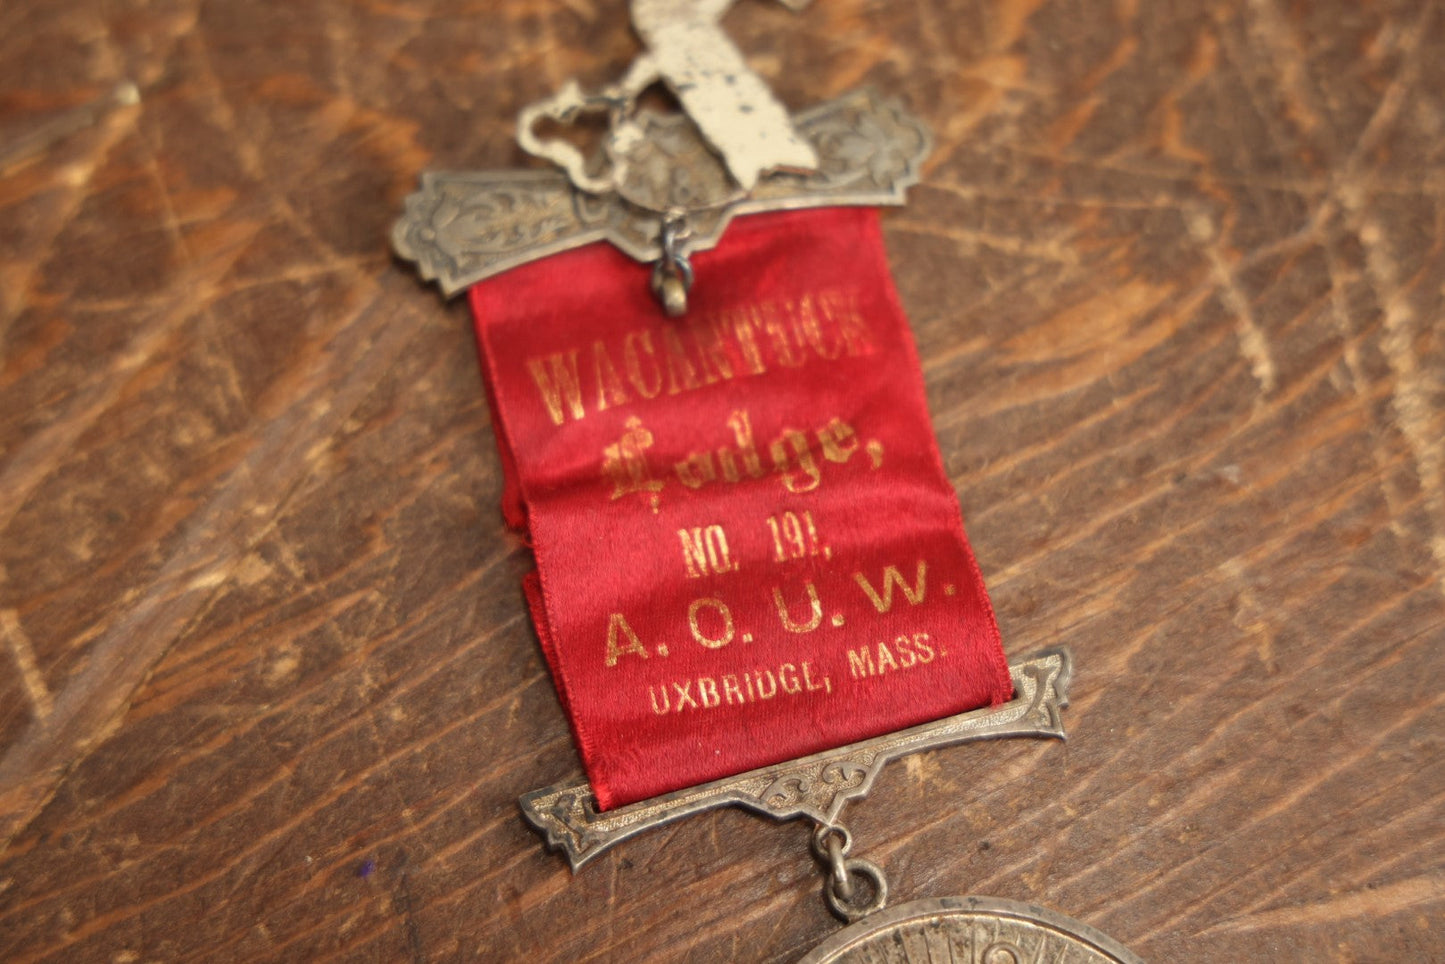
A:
267	691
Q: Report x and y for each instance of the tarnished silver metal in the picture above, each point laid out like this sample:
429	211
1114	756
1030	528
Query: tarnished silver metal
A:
840	883
672	274
567	106
463	227
686	49
815	787
733	150
844	901
826	835
980	930
832	845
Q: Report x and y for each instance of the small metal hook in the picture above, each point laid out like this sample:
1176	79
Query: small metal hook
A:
672	274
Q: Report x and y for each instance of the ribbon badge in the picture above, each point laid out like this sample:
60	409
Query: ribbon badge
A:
752	582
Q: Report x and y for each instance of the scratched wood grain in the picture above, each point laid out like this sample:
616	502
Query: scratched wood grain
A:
267	691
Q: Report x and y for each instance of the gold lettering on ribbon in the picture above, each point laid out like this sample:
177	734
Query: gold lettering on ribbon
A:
709	693
705	551
609	387
815	333
841	312
839	441
742	430
772	318
625	467
794	455
802	458
712	346
740	323
812	685
796	537
556	379
860	662
903	653
696	471
766	692
891	577
746	340
681	374
721	608
684	695
636	346
815	607
621	640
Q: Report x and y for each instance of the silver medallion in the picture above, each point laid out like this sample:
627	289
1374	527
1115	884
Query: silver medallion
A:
975	930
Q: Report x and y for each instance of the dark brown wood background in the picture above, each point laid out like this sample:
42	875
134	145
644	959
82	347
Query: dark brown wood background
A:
267	690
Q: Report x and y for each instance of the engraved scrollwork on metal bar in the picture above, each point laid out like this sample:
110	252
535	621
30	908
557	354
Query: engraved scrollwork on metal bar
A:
463	227
816	787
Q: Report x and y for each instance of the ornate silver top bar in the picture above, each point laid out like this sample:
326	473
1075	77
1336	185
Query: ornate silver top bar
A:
463	227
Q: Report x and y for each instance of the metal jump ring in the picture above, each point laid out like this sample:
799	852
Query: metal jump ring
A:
671	283
821	835
672	274
842	883
843	906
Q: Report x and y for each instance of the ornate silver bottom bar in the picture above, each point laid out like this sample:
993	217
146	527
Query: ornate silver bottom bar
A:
816	787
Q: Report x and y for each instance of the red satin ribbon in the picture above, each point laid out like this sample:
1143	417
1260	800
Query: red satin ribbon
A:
747	549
